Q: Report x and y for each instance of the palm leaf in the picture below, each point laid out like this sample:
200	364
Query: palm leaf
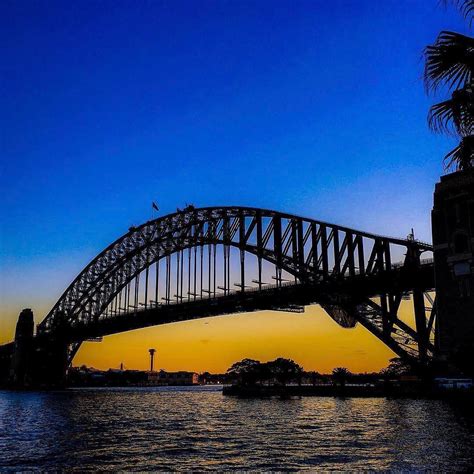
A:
450	60
462	157
454	116
466	7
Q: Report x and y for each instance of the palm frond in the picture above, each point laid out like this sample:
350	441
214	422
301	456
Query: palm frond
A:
450	60
467	10
466	7
441	118
454	116
462	157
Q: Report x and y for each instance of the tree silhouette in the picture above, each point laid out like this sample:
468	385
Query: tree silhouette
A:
340	376
284	371
449	62
466	8
251	372
397	367
246	372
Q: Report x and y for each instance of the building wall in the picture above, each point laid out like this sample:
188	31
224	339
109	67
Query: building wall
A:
173	378
453	240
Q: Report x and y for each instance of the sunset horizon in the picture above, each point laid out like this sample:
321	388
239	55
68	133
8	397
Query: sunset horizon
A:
237	236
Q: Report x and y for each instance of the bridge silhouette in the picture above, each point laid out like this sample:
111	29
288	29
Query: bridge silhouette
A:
202	262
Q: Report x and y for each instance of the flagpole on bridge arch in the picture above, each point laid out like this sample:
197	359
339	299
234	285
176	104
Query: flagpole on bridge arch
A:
154	208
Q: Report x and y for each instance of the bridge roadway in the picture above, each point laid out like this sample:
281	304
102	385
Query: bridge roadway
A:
285	297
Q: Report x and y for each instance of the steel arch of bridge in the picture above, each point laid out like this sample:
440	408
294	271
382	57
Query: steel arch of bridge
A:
349	273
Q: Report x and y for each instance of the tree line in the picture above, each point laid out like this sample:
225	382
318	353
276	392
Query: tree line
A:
281	371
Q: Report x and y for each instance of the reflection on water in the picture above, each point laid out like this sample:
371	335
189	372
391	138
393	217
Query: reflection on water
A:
197	428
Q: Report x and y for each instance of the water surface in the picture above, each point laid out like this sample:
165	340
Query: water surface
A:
198	428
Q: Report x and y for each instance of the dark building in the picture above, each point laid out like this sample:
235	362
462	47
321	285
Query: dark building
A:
453	241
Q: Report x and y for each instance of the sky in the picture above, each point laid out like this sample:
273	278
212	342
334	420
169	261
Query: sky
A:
310	107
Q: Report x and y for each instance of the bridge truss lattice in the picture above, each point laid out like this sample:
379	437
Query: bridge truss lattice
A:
221	260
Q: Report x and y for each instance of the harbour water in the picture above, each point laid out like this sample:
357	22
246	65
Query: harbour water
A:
197	428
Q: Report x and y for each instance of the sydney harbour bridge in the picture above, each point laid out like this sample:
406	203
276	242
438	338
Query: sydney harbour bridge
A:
202	262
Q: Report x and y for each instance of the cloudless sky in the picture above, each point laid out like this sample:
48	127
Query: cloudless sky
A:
310	107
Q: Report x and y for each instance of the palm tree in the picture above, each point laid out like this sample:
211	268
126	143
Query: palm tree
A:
466	7
454	116
461	156
449	62
340	375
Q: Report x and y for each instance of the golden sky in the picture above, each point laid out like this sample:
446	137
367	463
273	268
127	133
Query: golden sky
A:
312	339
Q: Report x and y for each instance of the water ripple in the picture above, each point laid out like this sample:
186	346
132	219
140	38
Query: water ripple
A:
138	429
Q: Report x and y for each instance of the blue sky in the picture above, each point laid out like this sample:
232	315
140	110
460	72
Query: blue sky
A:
315	108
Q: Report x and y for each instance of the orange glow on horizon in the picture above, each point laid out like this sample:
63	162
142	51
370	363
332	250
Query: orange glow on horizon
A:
213	344
312	339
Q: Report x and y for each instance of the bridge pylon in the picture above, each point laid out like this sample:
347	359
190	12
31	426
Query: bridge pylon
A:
21	370
34	361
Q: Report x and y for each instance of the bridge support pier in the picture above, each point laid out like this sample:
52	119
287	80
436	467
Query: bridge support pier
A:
453	241
51	362
35	362
21	372
420	322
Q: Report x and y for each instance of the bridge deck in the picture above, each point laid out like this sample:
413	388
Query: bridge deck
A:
276	297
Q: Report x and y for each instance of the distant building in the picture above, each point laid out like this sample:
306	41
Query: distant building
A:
213	379
85	376
447	383
173	378
313	378
88	376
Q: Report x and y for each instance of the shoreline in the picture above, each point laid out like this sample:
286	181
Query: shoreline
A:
345	392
